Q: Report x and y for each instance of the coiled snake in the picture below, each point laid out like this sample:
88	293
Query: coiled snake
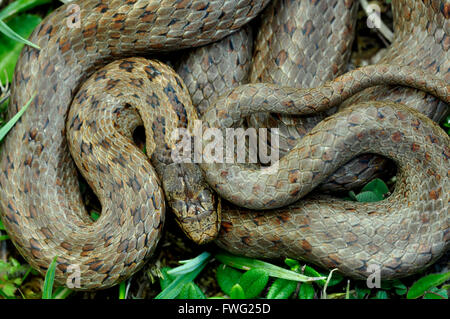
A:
41	204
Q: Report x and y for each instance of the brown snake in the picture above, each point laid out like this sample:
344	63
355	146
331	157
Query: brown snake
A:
41	204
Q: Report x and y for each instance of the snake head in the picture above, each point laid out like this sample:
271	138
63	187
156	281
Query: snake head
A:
192	201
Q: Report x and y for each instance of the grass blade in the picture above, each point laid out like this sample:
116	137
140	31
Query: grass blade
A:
324	291
61	293
49	280
5	129
10	50
191	291
245	263
11	34
189	265
175	287
122	290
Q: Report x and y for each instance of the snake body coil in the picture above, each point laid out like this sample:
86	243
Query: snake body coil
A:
41	205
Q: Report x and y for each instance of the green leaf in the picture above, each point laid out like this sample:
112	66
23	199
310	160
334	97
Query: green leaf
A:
227	277
237	292
281	289
381	294
245	263
335	278
2	227
61	293
49	280
292	263
369	197
309	271
2	294
9	289
175	287
400	288
6	30
122	290
5	129
253	282
94	215
167	279
306	291
377	185
446	124
361	292
420	287
373	191
436	293
10	269
9	49
191	291
189	265
4	237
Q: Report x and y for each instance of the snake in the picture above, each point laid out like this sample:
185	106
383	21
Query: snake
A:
421	30
41	205
51	222
401	235
421	40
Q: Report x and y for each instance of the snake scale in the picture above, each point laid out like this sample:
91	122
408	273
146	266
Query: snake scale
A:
41	204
